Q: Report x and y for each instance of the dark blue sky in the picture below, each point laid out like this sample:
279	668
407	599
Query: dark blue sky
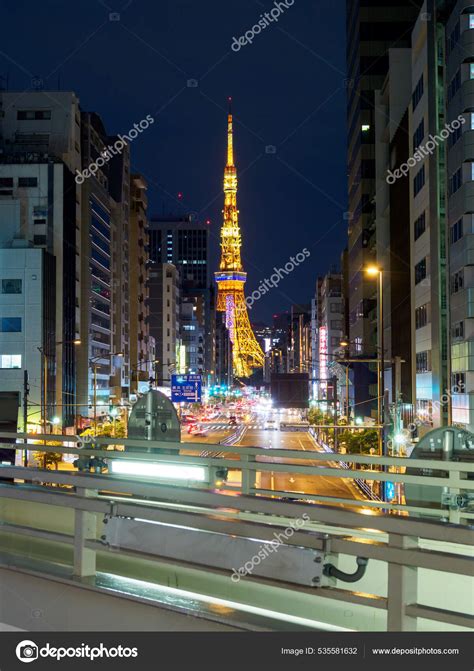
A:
288	89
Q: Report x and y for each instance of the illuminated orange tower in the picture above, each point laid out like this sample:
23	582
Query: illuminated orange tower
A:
230	278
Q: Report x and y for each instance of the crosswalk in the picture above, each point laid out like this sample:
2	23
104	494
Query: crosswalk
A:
228	425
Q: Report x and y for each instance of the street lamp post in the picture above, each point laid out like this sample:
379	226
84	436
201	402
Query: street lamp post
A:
374	271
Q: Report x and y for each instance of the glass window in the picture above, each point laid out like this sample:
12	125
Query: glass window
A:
458	330
419	181
471	21
417	93
423	362
455	181
11	286
10	360
471	70
420	225
421	316
457	282
420	271
27	181
456	231
33	115
10	324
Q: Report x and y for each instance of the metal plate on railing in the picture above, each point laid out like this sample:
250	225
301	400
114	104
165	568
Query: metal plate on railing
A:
242	556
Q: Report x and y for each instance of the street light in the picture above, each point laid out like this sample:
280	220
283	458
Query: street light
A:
93	363
375	271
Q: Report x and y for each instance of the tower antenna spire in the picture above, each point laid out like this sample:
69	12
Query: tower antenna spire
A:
230	278
230	138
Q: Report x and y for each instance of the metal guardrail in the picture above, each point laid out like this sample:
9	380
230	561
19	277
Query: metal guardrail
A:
398	540
248	460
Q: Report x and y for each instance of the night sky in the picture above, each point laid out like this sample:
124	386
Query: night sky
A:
288	90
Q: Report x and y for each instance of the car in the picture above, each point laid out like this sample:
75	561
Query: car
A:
233	420
271	425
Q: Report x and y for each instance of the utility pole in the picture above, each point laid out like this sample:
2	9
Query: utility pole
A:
334	397
26	391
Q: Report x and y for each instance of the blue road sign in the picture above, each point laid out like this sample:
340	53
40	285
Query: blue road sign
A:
186	388
389	491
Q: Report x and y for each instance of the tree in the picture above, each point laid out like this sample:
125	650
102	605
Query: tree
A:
359	441
47	459
107	429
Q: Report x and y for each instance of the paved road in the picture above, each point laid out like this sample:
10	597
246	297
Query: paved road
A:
216	431
275	439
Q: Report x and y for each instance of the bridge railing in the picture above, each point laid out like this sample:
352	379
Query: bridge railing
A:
399	543
251	464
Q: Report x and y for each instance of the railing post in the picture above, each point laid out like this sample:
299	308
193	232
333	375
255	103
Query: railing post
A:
85	525
402	586
248	475
455	484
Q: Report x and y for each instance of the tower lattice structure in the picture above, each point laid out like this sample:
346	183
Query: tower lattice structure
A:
230	278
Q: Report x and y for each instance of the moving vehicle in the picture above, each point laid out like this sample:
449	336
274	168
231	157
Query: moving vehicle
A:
270	424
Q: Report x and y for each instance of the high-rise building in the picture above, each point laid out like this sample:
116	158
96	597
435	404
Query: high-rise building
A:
459	78
122	260
40	251
164	320
141	355
327	330
428	186
373	27
300	339
184	242
394	239
223	349
96	354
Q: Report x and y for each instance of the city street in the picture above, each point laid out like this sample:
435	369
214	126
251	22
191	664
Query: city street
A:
256	435
302	441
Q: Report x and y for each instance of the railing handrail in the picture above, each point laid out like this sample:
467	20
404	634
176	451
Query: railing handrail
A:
406	462
166	493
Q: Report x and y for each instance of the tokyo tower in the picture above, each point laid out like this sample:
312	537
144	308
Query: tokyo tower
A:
230	278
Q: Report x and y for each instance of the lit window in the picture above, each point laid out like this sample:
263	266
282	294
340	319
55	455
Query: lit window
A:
365	127
10	361
471	21
471	70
